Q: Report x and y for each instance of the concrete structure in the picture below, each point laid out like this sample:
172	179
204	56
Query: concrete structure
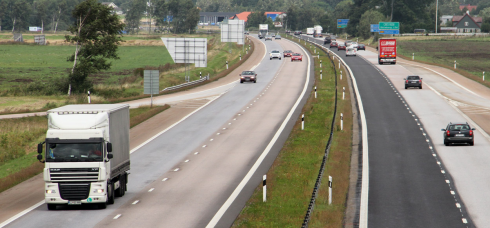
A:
445	19
213	18
467	24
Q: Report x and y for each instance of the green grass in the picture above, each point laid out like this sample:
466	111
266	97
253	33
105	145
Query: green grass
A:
291	179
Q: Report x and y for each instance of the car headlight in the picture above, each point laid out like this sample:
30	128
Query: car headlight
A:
50	191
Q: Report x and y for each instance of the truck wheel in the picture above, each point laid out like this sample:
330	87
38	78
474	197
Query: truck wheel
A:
122	184
51	207
110	193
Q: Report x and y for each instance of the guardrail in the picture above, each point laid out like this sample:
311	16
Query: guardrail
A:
327	148
205	78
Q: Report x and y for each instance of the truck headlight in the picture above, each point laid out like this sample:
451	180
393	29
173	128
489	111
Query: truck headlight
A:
50	191
98	190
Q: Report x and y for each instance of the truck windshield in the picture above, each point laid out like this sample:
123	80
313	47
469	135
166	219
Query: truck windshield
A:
74	152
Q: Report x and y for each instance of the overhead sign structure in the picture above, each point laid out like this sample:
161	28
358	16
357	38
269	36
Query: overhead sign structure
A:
233	31
152	83
374	28
389	25
187	50
389	32
342	23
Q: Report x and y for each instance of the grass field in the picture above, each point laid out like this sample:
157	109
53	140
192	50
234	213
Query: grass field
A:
471	55
291	179
19	139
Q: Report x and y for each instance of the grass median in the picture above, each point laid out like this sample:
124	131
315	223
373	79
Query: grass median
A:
293	174
19	138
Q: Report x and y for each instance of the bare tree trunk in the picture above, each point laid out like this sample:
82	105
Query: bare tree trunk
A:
76	53
42	26
58	19
13	26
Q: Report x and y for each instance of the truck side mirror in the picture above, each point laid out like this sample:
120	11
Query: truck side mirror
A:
39	148
39	157
109	147
110	156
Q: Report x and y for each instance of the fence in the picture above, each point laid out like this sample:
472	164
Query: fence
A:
187	84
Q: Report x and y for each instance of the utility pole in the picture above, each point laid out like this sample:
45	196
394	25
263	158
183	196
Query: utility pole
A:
437	9
391	19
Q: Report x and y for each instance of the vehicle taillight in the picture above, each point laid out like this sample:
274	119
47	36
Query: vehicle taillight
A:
471	132
447	132
420	81
406	81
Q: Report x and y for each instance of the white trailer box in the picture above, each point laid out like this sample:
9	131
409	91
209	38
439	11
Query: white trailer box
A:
86	154
318	31
310	31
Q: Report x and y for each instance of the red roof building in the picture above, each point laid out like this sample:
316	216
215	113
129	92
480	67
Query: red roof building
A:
468	6
244	15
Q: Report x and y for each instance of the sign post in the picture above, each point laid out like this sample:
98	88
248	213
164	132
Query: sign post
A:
152	83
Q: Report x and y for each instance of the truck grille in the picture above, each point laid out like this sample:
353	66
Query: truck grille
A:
74	174
74	191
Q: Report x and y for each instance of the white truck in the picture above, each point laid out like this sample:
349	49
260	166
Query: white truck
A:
263	30
86	154
310	31
317	31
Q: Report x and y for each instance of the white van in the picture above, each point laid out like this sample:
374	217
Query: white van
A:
350	51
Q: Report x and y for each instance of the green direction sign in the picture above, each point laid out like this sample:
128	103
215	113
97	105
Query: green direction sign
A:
389	25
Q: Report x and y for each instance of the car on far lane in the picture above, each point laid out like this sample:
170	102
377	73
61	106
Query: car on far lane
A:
347	43
340	46
248	76
350	51
273	34
413	81
327	39
278	37
296	57
268	37
333	44
361	47
287	53
275	54
297	32
246	33
354	45
459	133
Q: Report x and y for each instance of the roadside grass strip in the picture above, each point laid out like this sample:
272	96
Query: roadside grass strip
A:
292	177
19	138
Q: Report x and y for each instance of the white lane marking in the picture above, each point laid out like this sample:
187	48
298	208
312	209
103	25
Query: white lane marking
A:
165	179
447	181
196	153
117	216
458	205
439	163
224	128
453	193
211	140
151	189
173	125
247	177
175	170
442	171
218	133
135	202
464	220
186	161
22	213
203	146
451	80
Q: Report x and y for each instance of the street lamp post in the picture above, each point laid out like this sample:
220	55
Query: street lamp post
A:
437	7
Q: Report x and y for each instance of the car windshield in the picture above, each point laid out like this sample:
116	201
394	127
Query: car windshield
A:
288	51
74	152
413	78
296	54
275	51
248	73
459	127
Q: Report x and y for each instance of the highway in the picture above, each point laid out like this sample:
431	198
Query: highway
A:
414	180
185	176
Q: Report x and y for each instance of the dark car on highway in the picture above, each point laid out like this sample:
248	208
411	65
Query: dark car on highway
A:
361	47
459	133
248	76
333	44
340	46
413	81
297	32
287	53
327	40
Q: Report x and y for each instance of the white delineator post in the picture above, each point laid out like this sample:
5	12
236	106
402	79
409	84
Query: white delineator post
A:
315	92
227	65
413	56
264	188
320	63
303	122
483	75
343	93
454	64
329	190
240	57
341	121
200	74
321	74
88	96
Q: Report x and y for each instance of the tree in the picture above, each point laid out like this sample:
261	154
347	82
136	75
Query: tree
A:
292	17
18	13
368	18
161	14
42	12
134	15
97	33
185	15
256	18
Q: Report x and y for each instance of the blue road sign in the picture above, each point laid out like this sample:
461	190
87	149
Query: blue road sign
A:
389	32
374	27
342	23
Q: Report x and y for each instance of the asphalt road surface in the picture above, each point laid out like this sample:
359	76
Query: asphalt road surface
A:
184	176
409	185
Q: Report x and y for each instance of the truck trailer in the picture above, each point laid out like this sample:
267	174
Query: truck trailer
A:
86	154
387	50
317	31
310	31
263	30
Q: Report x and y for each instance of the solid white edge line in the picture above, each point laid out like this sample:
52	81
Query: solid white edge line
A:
8	221
363	214
132	151
247	177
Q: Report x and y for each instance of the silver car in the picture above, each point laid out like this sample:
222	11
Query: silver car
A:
268	37
275	54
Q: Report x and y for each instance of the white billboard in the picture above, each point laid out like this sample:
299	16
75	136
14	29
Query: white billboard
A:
233	31
187	50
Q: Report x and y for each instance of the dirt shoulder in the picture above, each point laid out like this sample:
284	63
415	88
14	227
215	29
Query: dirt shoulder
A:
30	192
